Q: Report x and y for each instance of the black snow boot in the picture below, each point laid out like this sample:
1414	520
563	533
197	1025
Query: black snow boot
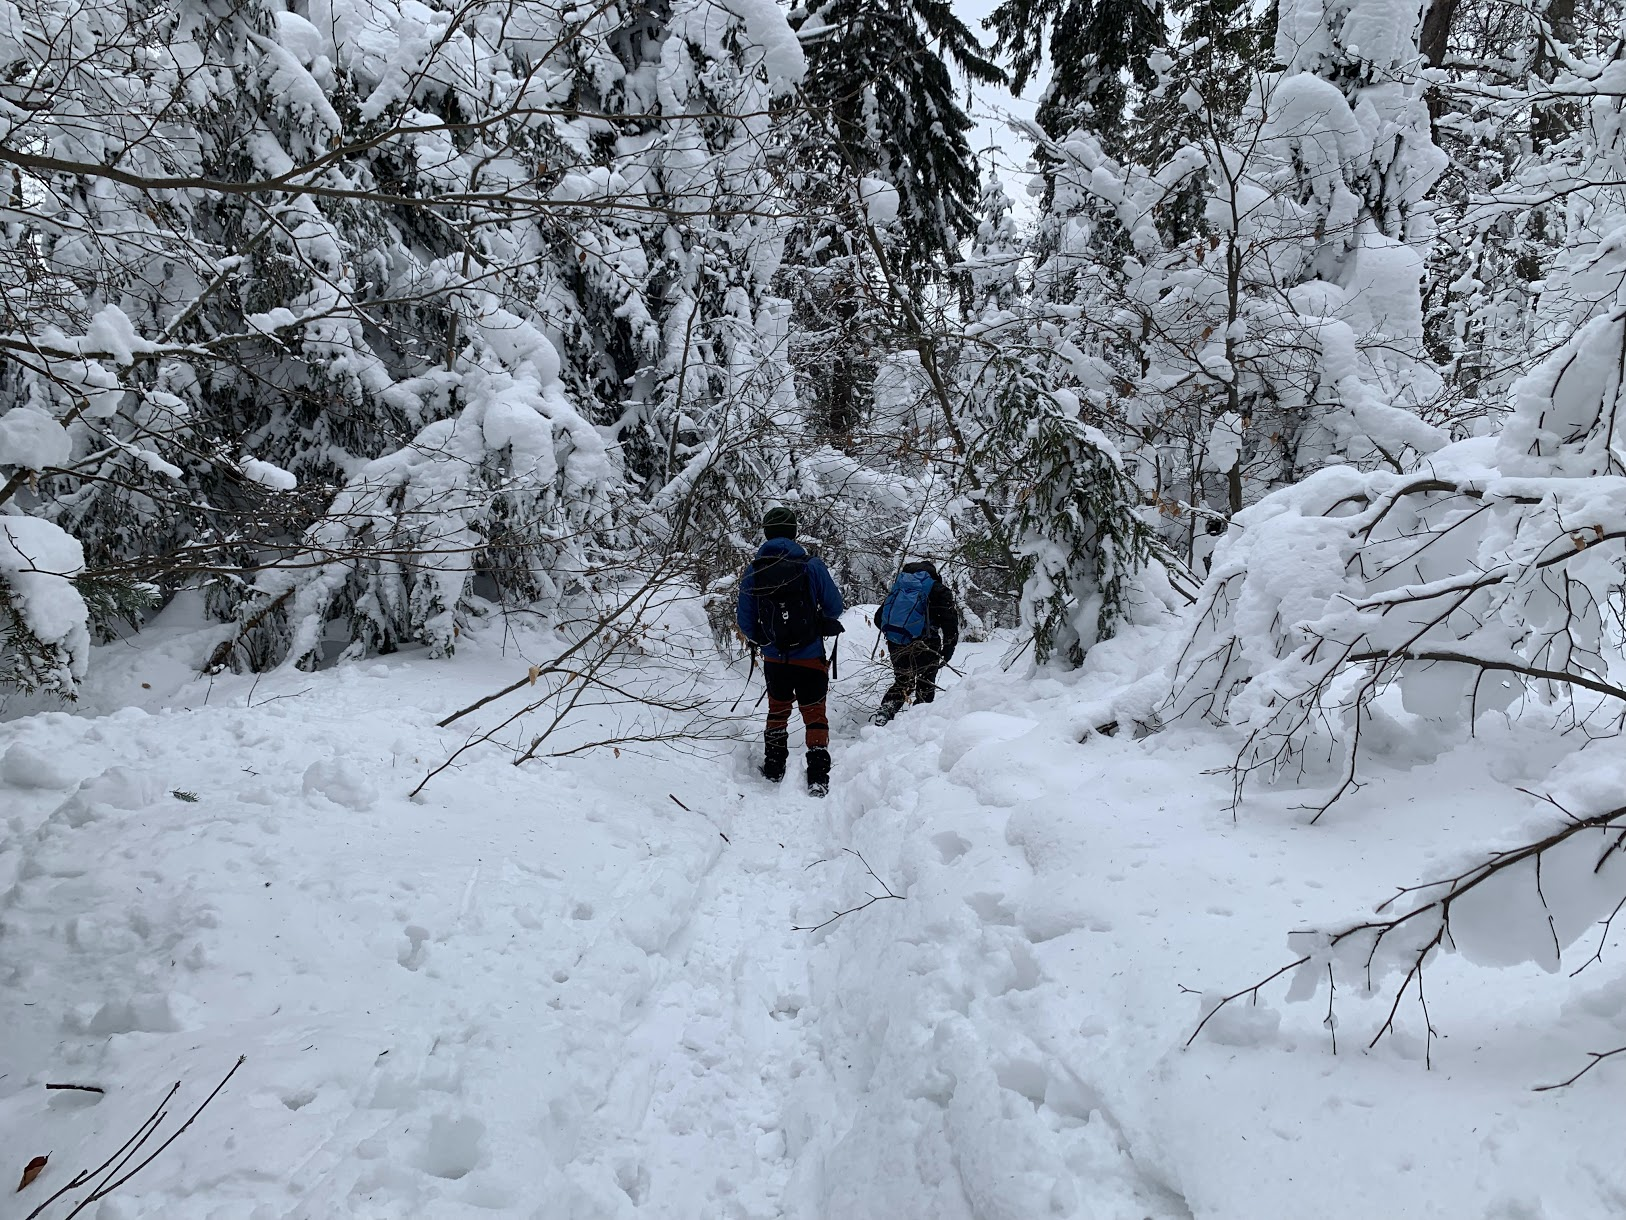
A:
818	772
773	770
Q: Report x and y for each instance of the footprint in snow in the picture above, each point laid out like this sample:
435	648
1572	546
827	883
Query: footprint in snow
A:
950	846
412	957
452	1148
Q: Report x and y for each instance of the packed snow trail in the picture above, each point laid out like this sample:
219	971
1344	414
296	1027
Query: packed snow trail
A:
555	992
693	1122
957	1091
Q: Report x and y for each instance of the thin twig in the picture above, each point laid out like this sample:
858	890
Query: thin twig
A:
142	1133
1597	1058
1248	991
112	1171
869	900
103	1191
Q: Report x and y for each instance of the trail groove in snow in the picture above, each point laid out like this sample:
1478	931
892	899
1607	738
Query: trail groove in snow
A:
956	1088
545	992
695	1120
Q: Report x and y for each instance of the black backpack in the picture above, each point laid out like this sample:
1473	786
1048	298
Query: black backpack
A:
784	594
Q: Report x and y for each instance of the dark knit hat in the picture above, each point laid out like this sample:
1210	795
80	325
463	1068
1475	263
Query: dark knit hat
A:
779	522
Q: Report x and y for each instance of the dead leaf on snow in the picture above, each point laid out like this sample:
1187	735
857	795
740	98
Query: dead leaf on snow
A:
32	1170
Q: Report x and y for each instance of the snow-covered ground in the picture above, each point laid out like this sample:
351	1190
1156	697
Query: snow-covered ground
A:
576	989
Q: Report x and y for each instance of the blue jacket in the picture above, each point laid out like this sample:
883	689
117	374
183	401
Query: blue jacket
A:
826	597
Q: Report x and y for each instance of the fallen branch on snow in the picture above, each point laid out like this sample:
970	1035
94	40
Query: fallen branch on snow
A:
869	899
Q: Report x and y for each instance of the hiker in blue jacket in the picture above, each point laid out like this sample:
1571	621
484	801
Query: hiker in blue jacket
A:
921	625
787	605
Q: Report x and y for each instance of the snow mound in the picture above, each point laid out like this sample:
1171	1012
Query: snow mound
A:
22	766
115	788
340	782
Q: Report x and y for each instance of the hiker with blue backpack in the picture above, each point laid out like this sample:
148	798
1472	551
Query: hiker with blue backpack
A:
787	605
921	625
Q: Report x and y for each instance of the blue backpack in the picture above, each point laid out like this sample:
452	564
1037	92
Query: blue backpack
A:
903	615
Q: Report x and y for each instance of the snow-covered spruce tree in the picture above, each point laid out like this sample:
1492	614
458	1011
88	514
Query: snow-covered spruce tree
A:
1102	61
357	230
992	267
97	279
664	286
881	81
1065	511
879	106
1097	52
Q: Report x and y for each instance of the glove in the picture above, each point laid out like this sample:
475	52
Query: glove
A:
831	626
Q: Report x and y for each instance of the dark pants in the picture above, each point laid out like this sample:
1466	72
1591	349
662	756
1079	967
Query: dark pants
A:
914	671
804	683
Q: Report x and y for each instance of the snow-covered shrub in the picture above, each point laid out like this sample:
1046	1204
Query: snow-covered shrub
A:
1480	577
514	484
1065	510
44	633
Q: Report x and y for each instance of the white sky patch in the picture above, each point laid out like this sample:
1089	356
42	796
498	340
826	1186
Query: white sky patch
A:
996	145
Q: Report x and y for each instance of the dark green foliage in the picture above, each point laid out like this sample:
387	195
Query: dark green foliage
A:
1065	506
114	600
880	71
1095	50
880	103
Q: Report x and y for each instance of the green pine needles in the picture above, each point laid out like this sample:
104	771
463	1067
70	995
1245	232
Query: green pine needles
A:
1065	506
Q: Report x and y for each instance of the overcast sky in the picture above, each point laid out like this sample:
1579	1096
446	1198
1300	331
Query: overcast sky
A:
994	142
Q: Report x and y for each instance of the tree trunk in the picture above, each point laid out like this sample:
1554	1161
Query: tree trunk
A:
1436	31
1432	40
